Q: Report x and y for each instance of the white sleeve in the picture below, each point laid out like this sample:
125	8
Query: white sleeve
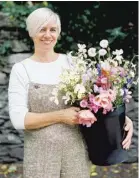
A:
17	96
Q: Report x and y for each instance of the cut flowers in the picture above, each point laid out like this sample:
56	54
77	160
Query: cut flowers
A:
98	79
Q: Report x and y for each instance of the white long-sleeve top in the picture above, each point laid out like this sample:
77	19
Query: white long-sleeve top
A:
37	72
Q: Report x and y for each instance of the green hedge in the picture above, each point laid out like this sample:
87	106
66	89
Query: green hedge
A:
82	22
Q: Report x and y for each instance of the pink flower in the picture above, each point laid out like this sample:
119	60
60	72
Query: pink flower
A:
103	101
83	103
93	107
112	94
86	117
108	108
104	80
91	98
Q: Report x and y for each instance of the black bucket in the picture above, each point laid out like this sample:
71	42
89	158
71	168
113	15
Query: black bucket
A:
104	138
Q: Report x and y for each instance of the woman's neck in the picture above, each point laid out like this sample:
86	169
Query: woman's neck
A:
44	56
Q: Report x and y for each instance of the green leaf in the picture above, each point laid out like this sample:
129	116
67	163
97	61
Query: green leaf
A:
117	32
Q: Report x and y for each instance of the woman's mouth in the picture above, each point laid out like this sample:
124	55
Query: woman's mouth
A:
47	42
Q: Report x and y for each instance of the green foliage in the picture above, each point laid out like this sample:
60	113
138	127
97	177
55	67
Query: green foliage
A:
18	11
5	48
89	22
82	22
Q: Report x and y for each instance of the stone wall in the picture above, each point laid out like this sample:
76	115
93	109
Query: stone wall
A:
11	140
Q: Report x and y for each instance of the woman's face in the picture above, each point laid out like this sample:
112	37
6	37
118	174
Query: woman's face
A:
47	37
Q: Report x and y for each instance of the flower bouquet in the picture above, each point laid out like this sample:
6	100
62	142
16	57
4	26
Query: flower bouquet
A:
99	80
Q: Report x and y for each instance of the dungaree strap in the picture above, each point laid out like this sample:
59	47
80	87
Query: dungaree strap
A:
26	71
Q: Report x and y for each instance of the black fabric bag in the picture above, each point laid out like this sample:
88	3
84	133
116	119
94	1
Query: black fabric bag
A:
104	138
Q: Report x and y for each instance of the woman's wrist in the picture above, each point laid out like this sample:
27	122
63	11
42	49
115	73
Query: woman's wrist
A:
57	116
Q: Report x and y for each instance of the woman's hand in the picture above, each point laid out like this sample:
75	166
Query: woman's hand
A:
86	117
70	115
129	129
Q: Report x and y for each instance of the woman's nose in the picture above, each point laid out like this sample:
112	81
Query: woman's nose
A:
47	34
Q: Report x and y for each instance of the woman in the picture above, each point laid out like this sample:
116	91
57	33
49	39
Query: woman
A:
53	146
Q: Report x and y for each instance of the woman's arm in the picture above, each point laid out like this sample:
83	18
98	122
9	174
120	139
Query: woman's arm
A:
39	120
20	117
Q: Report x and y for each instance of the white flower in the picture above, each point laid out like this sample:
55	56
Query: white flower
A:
92	52
54	99
104	43
119	58
121	92
85	55
66	98
82	48
55	96
115	63
102	52
80	96
105	65
96	89
79	88
132	74
117	52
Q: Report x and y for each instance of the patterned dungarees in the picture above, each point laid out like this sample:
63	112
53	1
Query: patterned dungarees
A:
55	151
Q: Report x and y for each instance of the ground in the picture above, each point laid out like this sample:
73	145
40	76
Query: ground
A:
116	171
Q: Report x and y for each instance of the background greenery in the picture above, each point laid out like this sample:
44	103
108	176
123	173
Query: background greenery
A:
82	22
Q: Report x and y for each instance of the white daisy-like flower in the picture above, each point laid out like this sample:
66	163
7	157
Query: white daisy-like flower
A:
104	43
102	52
117	52
82	48
92	52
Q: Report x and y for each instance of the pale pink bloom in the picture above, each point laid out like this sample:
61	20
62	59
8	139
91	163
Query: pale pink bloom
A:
86	117
103	101
91	97
114	70
112	94
93	107
104	111
108	108
101	90
83	103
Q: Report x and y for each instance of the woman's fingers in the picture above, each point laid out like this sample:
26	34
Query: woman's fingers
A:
129	130
76	109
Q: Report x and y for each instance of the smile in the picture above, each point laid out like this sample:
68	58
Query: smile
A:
47	42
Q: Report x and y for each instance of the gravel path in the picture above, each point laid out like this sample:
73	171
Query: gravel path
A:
116	171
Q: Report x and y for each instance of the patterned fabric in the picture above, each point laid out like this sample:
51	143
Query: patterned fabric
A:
55	151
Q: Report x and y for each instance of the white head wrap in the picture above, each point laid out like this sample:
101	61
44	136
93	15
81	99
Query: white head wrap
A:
40	17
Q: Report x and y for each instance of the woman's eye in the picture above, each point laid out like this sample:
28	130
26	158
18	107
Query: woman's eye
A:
42	30
53	30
